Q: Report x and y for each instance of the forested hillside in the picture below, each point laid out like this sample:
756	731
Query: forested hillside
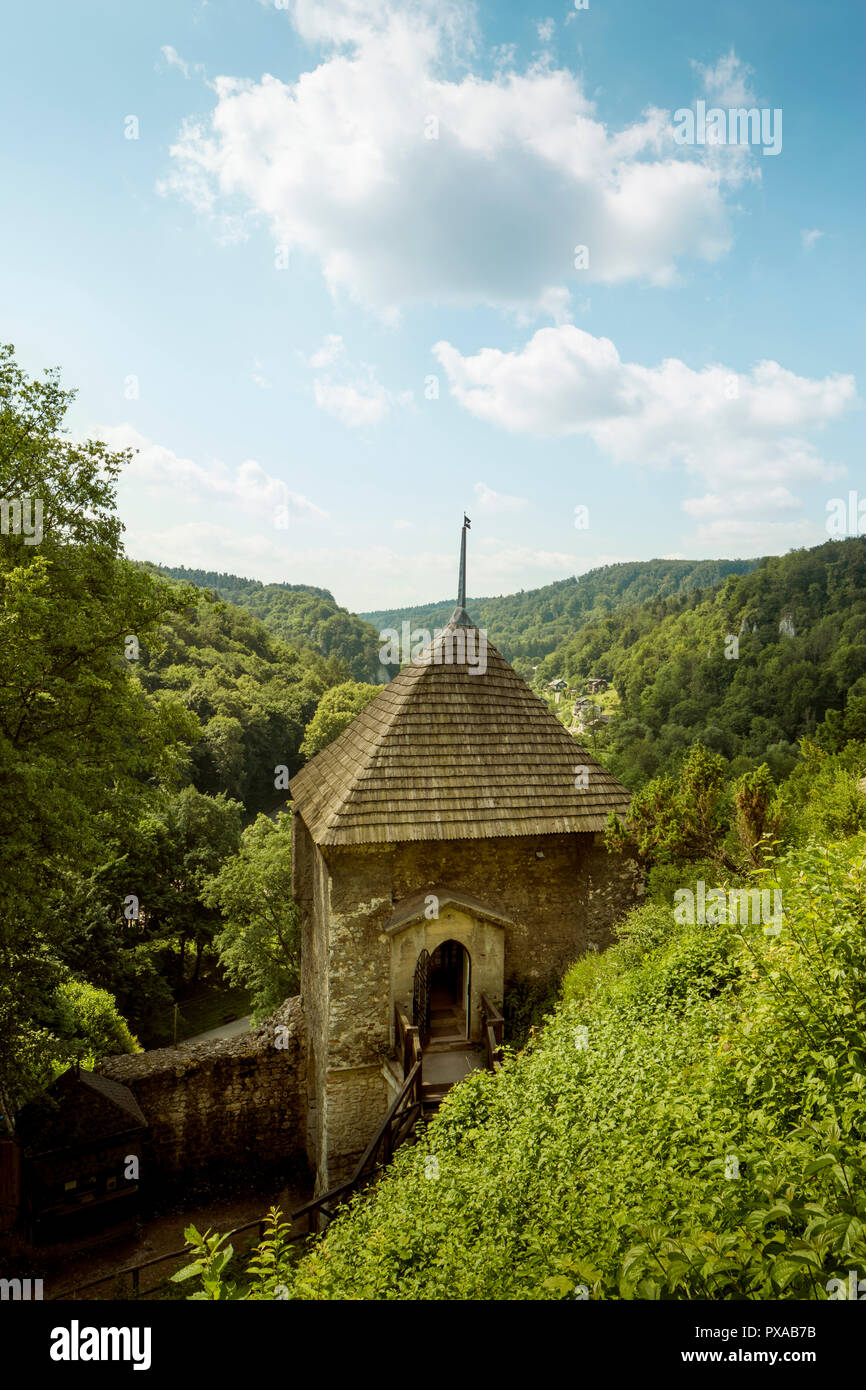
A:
747	669
251	694
301	615
144	728
528	626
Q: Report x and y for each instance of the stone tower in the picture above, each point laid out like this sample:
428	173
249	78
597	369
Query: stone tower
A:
454	817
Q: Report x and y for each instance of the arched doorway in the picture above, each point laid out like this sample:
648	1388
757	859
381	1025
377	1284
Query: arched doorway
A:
449	992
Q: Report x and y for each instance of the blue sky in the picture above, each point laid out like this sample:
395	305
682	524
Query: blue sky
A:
327	204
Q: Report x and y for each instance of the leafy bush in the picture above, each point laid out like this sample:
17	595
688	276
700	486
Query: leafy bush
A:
689	1124
526	1007
88	1022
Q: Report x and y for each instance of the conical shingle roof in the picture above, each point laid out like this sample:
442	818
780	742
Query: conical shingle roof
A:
446	752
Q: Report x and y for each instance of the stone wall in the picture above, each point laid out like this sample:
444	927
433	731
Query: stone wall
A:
225	1109
309	890
356	1101
564	894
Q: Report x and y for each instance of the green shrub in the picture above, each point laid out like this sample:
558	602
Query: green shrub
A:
689	1124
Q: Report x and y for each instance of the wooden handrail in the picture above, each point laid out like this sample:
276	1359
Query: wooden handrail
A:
409	1085
403	1112
135	1270
309	1207
493	1030
490	1009
407	1040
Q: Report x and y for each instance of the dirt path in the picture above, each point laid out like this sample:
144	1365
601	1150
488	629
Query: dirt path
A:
160	1235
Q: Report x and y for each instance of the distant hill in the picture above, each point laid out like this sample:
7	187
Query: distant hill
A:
747	668
659	631
531	624
299	614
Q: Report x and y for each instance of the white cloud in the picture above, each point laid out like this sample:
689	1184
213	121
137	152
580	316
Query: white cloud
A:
163	472
737	537
726	82
351	393
196	543
331	351
545	29
727	428
353	406
174	60
257	378
810	237
747	502
492	501
489	212
498	567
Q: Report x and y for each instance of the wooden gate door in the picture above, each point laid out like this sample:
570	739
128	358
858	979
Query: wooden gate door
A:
421	996
467	991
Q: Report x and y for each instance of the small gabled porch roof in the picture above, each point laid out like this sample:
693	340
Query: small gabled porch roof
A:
414	909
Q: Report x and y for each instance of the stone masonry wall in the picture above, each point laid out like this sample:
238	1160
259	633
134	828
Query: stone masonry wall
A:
309	890
357	1100
564	893
222	1108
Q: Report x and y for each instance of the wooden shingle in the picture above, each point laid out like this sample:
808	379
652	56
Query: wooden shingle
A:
448	753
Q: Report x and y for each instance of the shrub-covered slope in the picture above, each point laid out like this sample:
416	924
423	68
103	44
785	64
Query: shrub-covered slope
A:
689	1124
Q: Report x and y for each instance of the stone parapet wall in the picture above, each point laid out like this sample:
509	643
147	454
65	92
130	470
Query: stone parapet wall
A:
223	1107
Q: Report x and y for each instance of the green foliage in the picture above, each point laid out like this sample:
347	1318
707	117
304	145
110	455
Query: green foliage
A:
88	1021
260	941
698	815
178	846
140	723
272	1253
821	800
534	623
757	812
664	878
249	695
689	1124
80	741
301	616
525	1008
800	622
212	1256
334	713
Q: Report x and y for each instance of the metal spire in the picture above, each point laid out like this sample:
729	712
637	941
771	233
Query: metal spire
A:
460	618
